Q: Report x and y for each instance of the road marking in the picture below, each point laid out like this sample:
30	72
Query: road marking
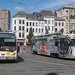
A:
37	61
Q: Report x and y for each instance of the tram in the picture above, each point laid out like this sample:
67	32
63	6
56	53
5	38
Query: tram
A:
57	45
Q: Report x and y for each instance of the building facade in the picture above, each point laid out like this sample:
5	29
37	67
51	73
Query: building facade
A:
49	23
39	22
59	24
21	24
4	19
67	13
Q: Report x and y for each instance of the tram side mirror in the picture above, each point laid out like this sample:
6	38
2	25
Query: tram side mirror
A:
56	43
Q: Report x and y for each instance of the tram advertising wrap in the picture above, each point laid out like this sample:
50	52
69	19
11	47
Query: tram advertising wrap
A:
54	45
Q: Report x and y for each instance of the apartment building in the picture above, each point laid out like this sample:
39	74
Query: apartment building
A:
59	24
4	19
49	20
67	13
39	21
22	22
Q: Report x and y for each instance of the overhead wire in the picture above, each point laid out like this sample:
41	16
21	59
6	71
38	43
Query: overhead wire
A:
17	2
35	3
26	6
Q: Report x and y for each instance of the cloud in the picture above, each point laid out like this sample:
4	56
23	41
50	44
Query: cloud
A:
19	8
56	3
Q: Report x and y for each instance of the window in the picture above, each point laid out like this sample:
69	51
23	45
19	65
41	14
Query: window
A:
52	21
62	24
45	27
71	12
33	29
71	26
45	21
66	26
39	30
42	30
14	27
59	23
19	21
22	27
19	34
48	27
30	23
66	11
14	21
55	29
66	18
48	21
36	29
19	27
55	23
36	23
27	23
22	21
33	23
22	34
52	27
27	29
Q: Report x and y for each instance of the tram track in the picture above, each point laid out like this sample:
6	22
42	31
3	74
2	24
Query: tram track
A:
43	62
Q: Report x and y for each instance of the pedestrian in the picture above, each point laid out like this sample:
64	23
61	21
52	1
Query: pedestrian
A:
23	49
18	47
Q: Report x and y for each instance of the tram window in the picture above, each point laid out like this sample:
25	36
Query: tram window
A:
43	39
73	42
56	43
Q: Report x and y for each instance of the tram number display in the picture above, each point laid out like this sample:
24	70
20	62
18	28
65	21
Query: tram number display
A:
43	47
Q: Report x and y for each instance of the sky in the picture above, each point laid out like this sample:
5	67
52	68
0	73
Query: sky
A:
30	6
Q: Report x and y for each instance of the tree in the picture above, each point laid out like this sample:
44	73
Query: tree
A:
46	31
62	30
0	29
30	35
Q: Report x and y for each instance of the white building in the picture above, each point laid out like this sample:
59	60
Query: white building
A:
54	24
59	24
22	22
49	23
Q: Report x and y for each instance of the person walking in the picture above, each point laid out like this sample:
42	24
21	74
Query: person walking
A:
18	47
22	49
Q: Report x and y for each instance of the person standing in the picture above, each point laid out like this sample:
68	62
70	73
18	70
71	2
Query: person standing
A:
18	47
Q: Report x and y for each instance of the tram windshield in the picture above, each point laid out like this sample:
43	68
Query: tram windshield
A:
72	42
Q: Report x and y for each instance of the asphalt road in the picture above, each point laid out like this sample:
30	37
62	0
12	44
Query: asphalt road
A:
33	64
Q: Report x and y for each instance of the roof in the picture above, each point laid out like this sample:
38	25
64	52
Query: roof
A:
46	13
66	7
59	19
30	16
38	15
20	14
55	14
